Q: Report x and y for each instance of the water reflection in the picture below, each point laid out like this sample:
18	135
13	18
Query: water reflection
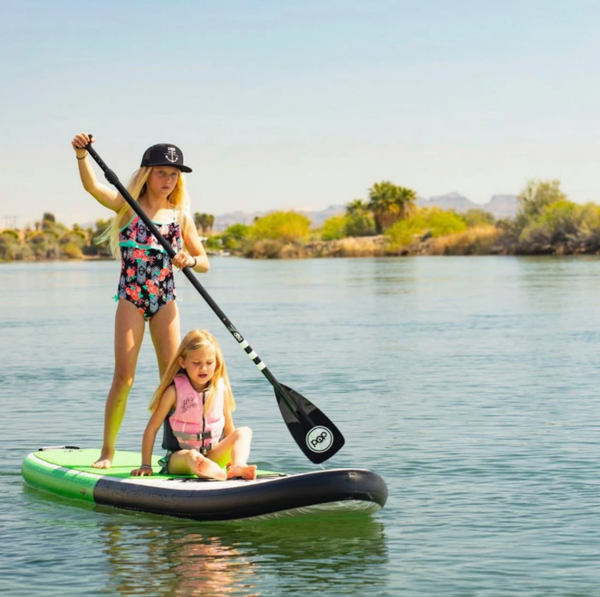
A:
164	560
161	557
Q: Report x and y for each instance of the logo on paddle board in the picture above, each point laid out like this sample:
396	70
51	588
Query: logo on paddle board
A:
319	439
171	155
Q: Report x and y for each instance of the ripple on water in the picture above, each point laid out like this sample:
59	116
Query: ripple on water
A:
470	385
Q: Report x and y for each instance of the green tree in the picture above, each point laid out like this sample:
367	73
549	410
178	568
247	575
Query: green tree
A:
204	222
360	224
356	206
390	203
210	222
200	221
9	245
563	222
72	244
234	235
49	222
44	244
359	220
213	243
536	196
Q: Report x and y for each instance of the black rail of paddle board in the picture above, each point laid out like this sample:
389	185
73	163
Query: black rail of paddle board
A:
251	499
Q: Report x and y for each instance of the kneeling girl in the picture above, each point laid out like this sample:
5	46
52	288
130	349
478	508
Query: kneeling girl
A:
194	403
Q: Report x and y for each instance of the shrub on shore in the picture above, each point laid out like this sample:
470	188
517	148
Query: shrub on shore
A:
564	227
334	228
424	223
268	248
11	247
479	240
276	235
367	246
352	224
555	223
49	239
547	222
283	226
233	237
478	217
350	246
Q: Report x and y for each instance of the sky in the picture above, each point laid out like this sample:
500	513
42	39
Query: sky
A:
299	104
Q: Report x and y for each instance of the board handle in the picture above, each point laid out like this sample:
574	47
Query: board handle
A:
58	448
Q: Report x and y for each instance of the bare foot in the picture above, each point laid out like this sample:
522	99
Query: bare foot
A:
207	469
247	471
104	461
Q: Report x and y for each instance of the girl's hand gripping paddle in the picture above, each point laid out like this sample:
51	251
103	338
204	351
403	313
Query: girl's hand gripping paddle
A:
314	433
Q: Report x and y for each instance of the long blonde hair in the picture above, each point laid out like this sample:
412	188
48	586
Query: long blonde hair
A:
137	189
195	340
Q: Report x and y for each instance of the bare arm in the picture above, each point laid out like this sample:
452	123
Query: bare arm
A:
167	403
229	426
194	245
105	195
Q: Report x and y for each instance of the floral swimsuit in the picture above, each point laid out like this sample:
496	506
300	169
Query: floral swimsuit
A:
146	270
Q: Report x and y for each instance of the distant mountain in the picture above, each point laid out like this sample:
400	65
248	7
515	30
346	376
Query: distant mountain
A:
318	217
454	201
223	221
500	206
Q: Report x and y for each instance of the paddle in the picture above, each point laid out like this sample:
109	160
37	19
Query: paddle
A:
314	433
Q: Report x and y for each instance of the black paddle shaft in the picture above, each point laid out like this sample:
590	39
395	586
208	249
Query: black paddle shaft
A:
314	433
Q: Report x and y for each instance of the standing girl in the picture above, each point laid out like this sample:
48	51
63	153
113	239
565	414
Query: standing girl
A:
146	291
194	403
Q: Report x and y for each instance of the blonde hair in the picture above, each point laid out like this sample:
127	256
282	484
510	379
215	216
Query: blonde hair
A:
195	340
137	188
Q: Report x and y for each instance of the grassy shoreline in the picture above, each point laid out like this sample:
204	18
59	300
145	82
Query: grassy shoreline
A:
479	241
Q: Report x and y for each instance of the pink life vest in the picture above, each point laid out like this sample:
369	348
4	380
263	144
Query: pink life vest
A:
192	427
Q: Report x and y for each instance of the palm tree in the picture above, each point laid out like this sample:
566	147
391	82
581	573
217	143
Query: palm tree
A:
359	220
356	207
390	203
204	222
199	221
210	220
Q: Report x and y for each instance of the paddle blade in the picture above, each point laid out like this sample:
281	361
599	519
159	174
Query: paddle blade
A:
311	429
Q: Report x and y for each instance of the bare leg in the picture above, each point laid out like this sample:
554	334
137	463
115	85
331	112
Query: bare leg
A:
191	462
165	330
129	333
235	448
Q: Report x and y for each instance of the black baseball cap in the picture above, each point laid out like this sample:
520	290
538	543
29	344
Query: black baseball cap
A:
164	154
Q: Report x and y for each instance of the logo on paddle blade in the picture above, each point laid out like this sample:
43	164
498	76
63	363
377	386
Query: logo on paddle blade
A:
319	439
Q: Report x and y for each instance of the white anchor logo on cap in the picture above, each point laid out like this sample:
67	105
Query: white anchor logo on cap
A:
171	155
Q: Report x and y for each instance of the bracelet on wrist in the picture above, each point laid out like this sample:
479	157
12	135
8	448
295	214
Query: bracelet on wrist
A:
195	263
82	157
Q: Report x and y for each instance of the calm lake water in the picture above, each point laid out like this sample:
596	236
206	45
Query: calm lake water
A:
471	385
